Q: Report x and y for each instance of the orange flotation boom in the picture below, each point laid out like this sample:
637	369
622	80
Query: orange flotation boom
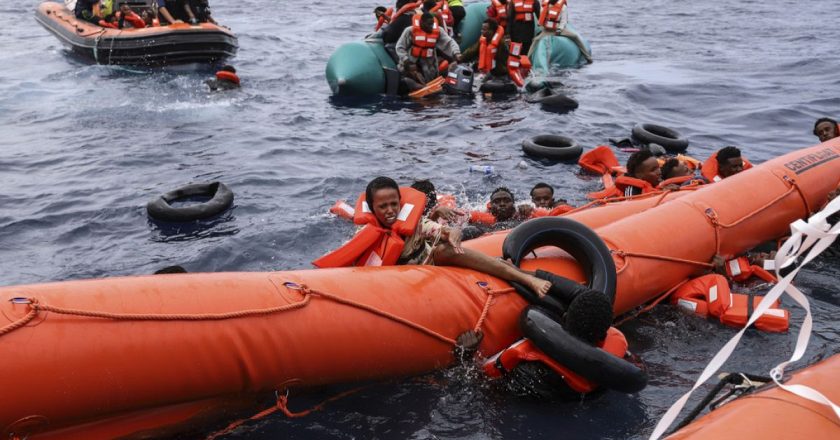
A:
160	351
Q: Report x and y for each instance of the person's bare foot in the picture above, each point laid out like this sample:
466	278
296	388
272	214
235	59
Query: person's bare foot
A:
539	286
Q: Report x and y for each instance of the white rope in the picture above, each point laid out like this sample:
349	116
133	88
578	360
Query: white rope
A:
816	234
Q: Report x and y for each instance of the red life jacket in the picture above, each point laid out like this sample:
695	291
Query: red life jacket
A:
501	12
109	25
517	63
525	351
423	44
343	210
483	218
550	15
375	245
710	168
134	19
224	75
487	50
686	181
405	9
740	270
523	10
382	18
622	183
560	210
710	295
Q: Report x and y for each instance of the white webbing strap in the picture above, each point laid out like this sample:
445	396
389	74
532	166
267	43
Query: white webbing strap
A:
816	234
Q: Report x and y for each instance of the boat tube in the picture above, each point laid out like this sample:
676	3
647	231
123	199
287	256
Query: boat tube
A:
132	355
176	44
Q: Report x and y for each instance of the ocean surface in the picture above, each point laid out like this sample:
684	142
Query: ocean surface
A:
84	147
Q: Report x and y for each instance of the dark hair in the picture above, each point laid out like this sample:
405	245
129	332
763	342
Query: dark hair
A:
541	185
379	9
502	189
589	316
727	153
426	187
228	68
377	184
821	120
637	159
170	269
401	3
427	16
492	24
668	168
428	5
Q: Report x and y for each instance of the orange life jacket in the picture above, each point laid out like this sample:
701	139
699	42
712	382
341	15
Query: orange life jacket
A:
501	12
481	217
134	19
740	270
447	200
525	350
375	245
445	12
109	25
383	18
423	44
710	295
405	9
710	168
622	183
560	210
688	181
224	75
343	210
550	15
487	50
600	160
517	63
523	10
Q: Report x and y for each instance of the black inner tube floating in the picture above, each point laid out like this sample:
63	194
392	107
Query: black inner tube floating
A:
554	147
221	198
497	86
582	243
551	100
657	134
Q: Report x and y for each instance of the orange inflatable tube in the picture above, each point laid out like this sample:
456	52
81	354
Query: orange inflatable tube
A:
154	349
773	412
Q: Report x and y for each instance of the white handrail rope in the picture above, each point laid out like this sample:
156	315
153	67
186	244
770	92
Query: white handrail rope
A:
813	237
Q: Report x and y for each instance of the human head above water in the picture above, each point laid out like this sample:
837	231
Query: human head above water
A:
674	168
426	187
729	161
502	204
826	128
542	195
383	197
588	317
644	166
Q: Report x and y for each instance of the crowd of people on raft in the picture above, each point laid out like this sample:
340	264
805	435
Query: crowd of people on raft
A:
422	37
120	14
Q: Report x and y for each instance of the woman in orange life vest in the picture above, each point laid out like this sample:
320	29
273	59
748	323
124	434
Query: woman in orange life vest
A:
554	18
445	249
490	52
826	128
417	50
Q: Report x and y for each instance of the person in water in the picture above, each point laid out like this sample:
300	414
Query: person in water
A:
433	243
644	166
675	168
226	79
88	10
417	51
542	195
554	20
495	67
729	162
826	128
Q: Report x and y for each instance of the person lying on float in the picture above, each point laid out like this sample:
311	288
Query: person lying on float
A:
675	171
418	48
396	233
490	52
826	129
724	163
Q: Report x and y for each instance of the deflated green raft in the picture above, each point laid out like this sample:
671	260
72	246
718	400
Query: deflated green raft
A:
364	68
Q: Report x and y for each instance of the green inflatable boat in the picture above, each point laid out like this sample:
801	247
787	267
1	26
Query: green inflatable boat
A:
365	68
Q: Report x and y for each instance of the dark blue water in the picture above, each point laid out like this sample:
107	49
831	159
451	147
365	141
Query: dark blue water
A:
83	148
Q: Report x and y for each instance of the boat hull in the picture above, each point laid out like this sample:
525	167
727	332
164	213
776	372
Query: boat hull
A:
176	44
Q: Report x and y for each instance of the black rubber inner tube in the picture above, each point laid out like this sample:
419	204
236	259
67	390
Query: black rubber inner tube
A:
552	100
590	362
657	134
497	86
554	147
582	243
221	198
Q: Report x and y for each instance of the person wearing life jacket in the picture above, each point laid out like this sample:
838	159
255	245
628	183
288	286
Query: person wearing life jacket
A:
127	15
404	11
724	163
826	128
521	16
397	233
436	207
642	177
675	171
498	11
383	16
226	79
490	53
149	17
542	195
554	18
418	48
